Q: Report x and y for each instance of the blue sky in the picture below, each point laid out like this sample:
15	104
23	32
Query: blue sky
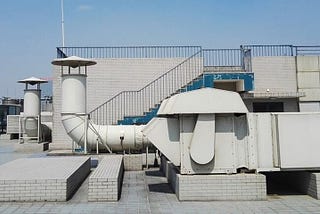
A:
30	30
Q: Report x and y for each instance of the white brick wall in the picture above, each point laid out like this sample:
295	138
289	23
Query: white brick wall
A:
106	79
215	187
221	187
278	74
106	181
306	182
42	179
132	162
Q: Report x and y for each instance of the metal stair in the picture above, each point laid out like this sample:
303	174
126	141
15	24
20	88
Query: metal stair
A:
197	71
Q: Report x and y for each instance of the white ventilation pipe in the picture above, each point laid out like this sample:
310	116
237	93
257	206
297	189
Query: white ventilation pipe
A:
32	109
75	117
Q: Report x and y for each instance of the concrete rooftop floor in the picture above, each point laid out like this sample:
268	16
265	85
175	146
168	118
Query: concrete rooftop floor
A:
148	192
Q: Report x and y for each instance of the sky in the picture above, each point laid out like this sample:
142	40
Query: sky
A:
30	30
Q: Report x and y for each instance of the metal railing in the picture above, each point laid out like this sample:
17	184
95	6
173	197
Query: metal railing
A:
282	50
222	57
60	53
307	50
270	50
134	103
129	52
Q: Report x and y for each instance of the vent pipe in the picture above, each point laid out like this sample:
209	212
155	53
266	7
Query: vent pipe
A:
75	118
32	109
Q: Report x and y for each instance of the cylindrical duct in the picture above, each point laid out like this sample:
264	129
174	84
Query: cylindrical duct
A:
117	137
32	102
32	110
74	94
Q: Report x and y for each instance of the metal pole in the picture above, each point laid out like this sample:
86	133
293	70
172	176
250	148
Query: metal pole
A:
38	128
62	23
97	146
147	151
85	133
20	127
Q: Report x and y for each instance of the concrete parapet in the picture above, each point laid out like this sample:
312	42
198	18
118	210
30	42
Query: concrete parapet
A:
42	179
106	181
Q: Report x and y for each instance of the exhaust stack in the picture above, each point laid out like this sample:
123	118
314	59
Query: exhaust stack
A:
76	121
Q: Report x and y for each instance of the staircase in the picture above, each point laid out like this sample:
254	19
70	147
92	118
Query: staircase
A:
205	68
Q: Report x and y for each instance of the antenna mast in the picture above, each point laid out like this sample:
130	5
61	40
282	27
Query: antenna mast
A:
62	23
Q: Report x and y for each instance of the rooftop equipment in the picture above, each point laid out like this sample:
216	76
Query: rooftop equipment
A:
75	118
30	127
210	131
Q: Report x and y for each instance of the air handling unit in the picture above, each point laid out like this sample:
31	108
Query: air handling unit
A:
210	131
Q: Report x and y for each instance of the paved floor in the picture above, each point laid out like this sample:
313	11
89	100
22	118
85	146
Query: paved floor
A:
148	192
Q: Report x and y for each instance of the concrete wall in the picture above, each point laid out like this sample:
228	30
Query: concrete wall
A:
308	73
278	74
106	79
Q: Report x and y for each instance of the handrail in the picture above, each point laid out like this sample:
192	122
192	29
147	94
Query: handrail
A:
129	51
134	103
282	50
270	50
147	97
307	50
223	57
145	85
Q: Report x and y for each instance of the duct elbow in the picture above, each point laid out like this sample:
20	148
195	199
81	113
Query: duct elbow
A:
115	137
74	126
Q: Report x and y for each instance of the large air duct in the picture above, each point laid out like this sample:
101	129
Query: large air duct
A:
75	118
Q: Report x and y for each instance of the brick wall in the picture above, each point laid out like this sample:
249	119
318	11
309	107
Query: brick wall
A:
106	181
221	187
278	74
44	179
132	162
214	186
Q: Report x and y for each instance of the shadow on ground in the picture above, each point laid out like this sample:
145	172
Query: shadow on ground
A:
158	187
155	173
161	187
